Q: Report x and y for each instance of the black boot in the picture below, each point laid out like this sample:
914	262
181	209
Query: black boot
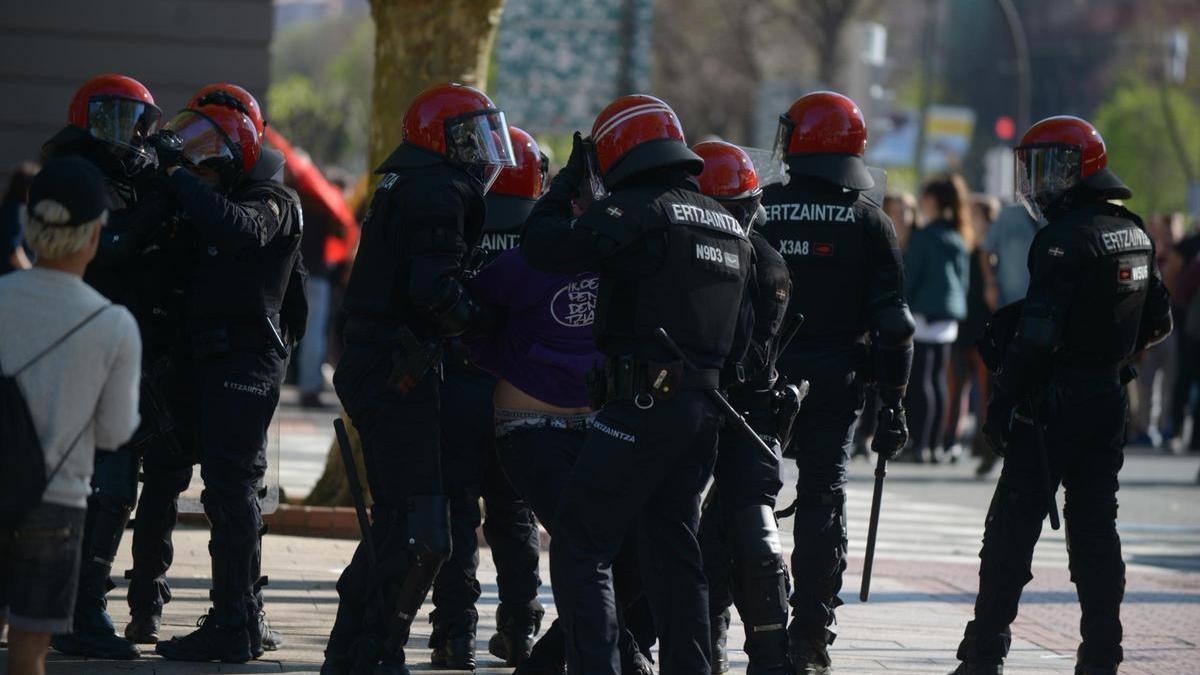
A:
810	654
93	632
517	630
223	634
143	629
549	654
211	641
262	638
453	645
719	628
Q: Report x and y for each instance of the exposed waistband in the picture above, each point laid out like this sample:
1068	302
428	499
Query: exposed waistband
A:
509	420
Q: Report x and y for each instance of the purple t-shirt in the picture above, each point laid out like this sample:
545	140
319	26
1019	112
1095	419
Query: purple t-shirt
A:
545	346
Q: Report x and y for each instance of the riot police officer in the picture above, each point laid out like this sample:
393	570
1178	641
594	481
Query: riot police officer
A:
1058	403
245	239
167	467
405	298
738	533
138	265
470	467
667	257
828	225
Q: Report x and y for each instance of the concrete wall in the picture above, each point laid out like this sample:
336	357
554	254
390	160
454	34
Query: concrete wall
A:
50	47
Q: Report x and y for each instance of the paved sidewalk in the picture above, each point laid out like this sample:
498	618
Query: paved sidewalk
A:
918	607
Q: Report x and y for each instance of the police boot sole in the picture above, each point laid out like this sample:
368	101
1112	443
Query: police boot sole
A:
165	650
102	647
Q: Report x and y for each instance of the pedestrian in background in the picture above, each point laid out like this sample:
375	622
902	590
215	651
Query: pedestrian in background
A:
12	255
901	207
1158	366
76	359
1007	246
968	374
936	278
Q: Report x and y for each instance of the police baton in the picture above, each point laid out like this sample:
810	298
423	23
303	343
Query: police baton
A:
1039	436
864	590
360	506
731	414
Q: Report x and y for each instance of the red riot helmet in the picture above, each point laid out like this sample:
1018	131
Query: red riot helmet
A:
730	178
461	124
218	137
517	188
636	133
230	96
1057	155
119	111
824	135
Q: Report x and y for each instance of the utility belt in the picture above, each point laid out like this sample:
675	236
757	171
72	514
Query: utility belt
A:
217	338
645	381
413	357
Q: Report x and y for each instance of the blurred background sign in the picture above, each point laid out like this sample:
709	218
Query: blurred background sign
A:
559	62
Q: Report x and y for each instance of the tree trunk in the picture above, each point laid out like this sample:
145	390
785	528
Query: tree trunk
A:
333	489
418	43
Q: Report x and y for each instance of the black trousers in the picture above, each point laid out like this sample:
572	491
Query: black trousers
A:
743	477
471	470
640	471
401	442
1085	436
822	439
237	396
165	477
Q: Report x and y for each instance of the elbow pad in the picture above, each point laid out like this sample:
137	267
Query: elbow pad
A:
893	351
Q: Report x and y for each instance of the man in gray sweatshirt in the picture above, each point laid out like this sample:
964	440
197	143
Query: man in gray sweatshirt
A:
76	359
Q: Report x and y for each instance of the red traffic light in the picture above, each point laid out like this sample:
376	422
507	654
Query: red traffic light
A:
1005	128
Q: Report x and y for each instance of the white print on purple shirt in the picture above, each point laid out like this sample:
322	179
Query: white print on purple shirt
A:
574	305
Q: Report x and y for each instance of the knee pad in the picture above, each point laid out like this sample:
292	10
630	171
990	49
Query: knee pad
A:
760	569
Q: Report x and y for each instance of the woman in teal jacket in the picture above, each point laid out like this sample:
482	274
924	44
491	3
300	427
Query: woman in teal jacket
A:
937	273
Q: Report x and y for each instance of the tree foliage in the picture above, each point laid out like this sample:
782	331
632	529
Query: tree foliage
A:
1141	148
321	88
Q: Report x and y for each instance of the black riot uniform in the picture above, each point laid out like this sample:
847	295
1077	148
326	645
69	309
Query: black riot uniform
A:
471	470
140	263
739	538
667	256
840	242
1095	299
167	471
404	296
245	248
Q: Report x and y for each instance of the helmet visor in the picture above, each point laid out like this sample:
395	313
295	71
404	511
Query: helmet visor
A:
779	149
204	144
480	144
1045	173
122	121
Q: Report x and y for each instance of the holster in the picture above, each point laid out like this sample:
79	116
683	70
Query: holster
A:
412	360
644	380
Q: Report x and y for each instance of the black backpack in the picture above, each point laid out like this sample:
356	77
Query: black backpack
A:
23	476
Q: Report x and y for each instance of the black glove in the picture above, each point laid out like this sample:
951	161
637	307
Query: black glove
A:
169	147
999	419
891	435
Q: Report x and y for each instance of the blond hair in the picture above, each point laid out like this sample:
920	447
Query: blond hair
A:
49	237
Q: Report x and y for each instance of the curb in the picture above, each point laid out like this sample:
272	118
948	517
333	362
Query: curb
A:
334	522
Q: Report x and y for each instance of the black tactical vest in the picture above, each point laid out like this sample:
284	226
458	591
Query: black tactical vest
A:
245	284
1114	266
683	267
395	228
823	232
